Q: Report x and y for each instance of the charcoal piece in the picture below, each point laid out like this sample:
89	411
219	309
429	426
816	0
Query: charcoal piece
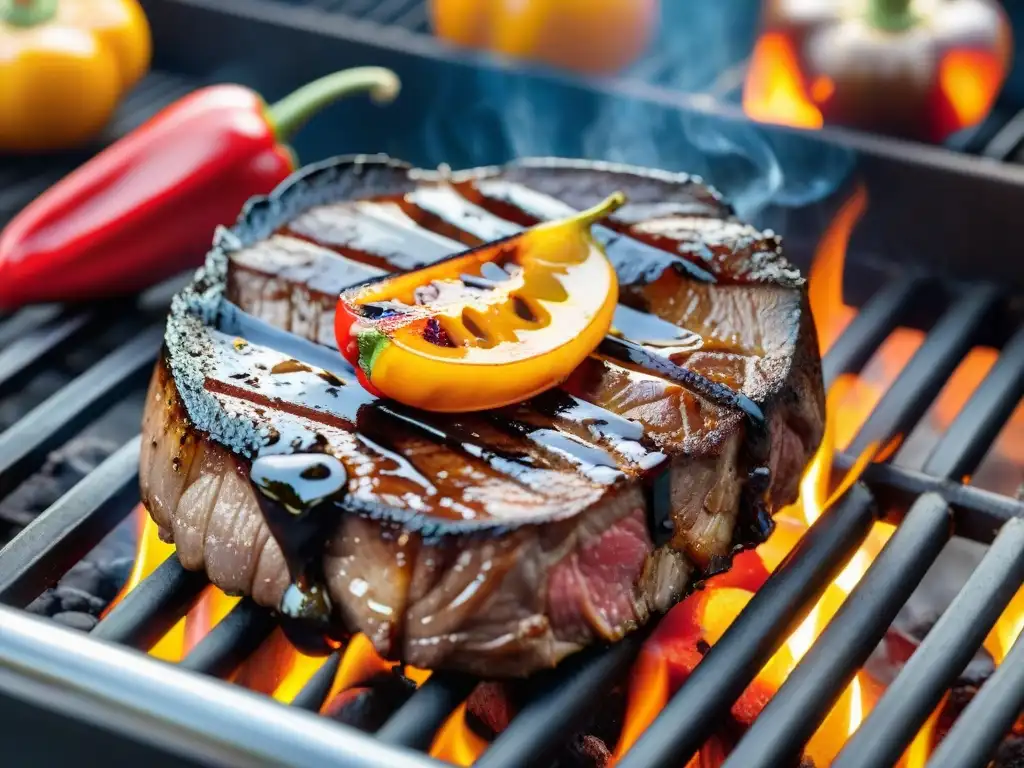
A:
114	574
84	576
46	604
76	600
585	751
76	620
369	706
1010	753
62	470
491	707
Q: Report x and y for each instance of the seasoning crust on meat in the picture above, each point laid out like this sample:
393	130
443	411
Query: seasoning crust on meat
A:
495	542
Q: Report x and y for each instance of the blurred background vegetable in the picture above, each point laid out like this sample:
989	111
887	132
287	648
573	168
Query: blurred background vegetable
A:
146	207
589	36
920	69
64	66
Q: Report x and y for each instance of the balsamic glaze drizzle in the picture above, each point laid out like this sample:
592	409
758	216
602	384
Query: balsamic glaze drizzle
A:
298	524
628	351
298	495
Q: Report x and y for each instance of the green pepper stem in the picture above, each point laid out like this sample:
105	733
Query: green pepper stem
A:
602	210
27	13
890	15
289	114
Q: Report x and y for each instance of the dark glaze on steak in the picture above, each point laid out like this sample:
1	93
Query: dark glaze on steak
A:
494	542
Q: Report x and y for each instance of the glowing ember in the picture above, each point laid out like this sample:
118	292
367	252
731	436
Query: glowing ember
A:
455	742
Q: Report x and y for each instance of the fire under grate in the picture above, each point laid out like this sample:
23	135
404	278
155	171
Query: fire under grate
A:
143	699
99	694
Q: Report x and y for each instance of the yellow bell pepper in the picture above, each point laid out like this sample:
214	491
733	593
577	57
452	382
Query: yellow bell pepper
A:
590	36
486	328
64	66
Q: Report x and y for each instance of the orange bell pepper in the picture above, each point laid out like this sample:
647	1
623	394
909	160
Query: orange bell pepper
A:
591	36
64	66
488	327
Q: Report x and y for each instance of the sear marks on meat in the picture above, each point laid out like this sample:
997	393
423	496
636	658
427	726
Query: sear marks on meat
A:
497	542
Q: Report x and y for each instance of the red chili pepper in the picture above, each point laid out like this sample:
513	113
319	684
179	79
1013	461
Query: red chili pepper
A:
146	207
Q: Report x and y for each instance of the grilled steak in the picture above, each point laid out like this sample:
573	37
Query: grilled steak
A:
495	542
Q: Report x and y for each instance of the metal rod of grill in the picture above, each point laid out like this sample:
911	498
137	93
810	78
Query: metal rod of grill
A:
149	611
776	609
986	720
201	718
942	656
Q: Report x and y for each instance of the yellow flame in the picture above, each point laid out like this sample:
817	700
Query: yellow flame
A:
455	742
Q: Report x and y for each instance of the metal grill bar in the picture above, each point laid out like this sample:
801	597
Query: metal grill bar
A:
978	514
772	614
25	444
314	693
43	552
26	321
803	701
213	723
874	321
906	401
987	719
28	353
232	641
562	702
155	605
981	420
416	721
942	656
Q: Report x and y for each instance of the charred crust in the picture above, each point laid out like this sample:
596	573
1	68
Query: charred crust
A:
188	353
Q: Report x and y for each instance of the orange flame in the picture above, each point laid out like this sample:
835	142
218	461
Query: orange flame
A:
774	90
1006	631
455	742
777	91
675	647
359	663
970	81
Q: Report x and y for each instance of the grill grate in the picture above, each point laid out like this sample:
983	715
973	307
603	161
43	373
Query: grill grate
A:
134	698
39	555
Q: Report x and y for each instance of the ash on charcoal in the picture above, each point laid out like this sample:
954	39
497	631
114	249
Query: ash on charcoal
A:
62	470
586	751
91	583
76	620
368	707
1010	753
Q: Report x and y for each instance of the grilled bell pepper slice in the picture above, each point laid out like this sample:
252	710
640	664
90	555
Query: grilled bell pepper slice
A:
489	327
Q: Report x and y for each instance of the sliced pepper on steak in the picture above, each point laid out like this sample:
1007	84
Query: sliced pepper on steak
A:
486	328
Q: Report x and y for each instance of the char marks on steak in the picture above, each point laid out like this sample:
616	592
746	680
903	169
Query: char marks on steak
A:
494	542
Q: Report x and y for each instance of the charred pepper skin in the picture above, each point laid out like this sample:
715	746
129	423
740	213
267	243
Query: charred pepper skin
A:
146	208
918	69
489	327
65	65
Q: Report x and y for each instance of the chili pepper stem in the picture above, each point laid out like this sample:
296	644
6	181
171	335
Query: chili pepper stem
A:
891	15
27	13
602	210
289	114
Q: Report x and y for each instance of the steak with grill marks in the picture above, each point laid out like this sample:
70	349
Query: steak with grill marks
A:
496	542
